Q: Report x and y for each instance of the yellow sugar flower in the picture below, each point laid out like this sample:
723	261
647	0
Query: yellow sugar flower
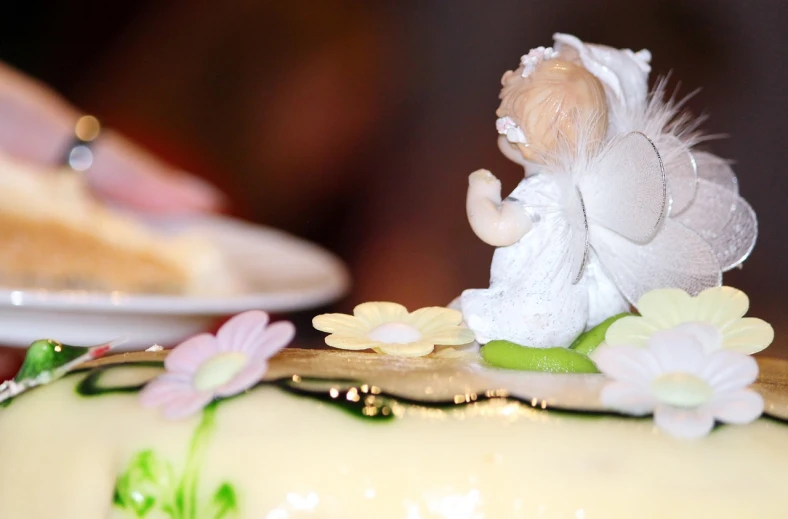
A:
667	308
389	328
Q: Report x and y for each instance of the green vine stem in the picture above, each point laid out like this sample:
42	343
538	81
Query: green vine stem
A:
149	481
186	493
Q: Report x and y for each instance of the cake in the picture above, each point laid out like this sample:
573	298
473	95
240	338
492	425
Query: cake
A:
56	236
333	434
605	373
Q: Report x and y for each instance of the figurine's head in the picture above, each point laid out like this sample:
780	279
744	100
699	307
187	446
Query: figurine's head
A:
550	104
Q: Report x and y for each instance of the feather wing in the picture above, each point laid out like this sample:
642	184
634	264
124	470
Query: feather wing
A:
719	215
681	173
626	190
676	257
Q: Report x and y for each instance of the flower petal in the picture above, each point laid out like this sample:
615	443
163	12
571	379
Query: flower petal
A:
720	305
188	355
464	350
627	397
349	343
727	370
736	407
677	351
708	335
409	349
243	329
626	363
687	424
186	405
246	378
275	337
339	323
666	307
432	318
676	256
450	336
748	335
163	389
629	331
376	313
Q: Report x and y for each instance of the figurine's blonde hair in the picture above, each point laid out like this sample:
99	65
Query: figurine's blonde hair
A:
550	105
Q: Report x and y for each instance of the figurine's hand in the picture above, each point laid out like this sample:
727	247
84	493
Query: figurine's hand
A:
495	222
484	184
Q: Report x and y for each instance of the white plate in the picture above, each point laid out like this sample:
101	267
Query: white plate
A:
276	273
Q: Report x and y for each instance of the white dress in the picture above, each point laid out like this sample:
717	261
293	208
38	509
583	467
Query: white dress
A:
532	300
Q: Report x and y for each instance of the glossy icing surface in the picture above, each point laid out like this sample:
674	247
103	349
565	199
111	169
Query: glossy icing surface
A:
446	448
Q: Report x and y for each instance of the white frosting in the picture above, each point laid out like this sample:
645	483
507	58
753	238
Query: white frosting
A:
293	457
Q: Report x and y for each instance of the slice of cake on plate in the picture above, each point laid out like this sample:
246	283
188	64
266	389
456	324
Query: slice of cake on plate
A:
55	235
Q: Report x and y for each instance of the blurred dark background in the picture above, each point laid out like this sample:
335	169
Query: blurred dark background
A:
356	123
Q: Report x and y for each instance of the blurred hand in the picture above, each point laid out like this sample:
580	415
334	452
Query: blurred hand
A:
37	125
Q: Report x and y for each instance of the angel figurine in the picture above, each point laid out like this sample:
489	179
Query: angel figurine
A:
616	201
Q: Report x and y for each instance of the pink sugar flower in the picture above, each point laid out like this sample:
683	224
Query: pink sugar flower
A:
207	366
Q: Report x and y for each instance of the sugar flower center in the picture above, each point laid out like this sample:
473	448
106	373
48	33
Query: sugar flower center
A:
395	333
219	370
681	390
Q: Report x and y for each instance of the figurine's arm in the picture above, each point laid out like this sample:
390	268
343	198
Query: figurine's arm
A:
495	222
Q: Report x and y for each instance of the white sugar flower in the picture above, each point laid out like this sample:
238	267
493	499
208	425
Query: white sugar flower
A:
389	328
507	126
722	307
535	57
684	379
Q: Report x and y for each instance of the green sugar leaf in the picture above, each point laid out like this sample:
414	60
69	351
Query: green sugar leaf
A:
505	354
44	356
147	481
588	341
225	503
